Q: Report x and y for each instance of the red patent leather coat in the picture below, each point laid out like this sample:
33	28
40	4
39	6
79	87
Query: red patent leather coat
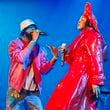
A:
85	61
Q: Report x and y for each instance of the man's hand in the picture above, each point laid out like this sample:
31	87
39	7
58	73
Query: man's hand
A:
96	90
54	50
35	34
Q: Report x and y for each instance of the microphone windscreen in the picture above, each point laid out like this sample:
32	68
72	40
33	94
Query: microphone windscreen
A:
43	33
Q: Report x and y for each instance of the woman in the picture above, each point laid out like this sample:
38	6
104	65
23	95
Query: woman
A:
80	87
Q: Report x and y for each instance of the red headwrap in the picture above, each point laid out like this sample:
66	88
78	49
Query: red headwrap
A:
89	15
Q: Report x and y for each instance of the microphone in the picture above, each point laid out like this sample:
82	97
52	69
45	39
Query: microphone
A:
29	31
43	33
63	46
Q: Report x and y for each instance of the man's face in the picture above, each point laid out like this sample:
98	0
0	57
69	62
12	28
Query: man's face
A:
82	23
33	32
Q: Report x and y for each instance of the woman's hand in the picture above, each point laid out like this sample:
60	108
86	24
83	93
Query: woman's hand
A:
96	90
63	47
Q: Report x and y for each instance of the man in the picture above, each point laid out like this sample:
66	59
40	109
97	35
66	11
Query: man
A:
28	62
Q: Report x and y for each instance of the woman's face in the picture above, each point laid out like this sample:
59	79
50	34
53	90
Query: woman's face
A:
82	23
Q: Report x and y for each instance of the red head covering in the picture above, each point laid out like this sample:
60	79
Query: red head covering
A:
89	15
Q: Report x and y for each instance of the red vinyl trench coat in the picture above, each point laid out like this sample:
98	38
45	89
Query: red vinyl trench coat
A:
85	61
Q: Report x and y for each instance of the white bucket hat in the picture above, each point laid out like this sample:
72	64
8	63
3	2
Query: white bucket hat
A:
26	23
